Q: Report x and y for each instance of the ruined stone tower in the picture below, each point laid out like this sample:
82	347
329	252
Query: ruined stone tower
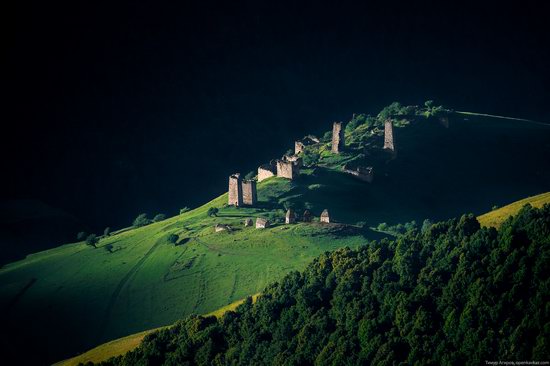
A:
235	194
287	169
388	136
298	147
290	217
325	217
241	192
337	137
249	192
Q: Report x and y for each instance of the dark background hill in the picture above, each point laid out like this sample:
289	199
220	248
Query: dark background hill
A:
117	109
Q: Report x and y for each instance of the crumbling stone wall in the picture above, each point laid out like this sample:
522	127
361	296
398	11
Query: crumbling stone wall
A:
235	193
388	136
363	173
298	161
249	192
287	169
337	137
265	171
298	147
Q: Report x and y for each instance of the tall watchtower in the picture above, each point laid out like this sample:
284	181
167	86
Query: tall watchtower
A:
235	194
388	136
250	197
337	137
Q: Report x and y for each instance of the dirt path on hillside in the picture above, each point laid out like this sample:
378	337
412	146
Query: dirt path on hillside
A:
114	296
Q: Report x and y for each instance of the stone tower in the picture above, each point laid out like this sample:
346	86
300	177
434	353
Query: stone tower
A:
325	217
337	137
249	192
298	147
235	194
287	169
388	136
290	217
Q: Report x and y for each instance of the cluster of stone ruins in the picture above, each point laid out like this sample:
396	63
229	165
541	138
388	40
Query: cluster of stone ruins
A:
291	217
242	192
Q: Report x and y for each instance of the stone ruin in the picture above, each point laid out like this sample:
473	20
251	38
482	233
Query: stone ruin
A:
388	136
287	169
290	217
299	145
235	193
298	161
365	174
241	192
262	223
266	171
247	222
338	140
325	217
250	196
306	217
221	227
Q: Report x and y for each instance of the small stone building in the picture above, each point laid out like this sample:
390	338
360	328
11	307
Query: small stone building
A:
306	217
247	222
221	227
325	217
290	217
337	137
262	223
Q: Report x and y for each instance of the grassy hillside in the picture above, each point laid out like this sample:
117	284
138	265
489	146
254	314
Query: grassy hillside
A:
68	299
496	217
125	344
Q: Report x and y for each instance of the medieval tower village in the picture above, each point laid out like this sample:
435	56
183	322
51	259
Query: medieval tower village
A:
243	192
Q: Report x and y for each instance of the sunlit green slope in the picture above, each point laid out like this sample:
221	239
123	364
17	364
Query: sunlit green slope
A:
71	298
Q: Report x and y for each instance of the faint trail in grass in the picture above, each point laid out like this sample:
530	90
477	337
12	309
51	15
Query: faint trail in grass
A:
234	287
201	294
20	294
112	300
214	249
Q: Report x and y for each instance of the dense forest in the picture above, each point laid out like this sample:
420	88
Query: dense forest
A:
451	293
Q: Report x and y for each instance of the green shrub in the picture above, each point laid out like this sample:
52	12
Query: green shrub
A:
159	217
173	238
81	236
212	211
92	240
141	220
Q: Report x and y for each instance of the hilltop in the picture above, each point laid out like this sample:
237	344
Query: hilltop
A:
74	297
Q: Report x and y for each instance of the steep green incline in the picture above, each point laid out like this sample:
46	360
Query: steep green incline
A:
66	300
453	294
74	296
